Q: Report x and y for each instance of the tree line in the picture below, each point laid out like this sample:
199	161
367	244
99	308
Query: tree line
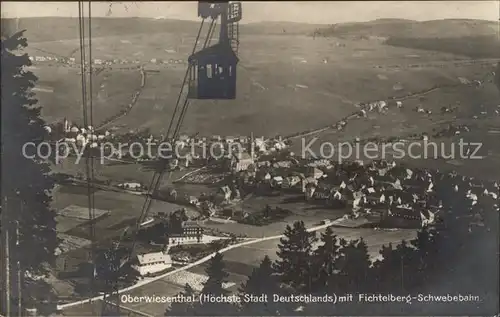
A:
436	262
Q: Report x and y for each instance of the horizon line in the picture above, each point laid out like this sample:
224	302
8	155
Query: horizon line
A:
253	22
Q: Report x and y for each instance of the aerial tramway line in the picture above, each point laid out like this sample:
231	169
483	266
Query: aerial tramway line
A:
210	75
86	71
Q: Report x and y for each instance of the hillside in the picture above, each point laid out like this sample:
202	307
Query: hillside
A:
472	38
60	28
450	28
285	28
471	46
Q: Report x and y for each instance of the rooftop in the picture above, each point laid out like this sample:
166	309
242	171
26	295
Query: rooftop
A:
153	257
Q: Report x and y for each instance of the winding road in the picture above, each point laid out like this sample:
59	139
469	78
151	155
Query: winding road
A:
200	261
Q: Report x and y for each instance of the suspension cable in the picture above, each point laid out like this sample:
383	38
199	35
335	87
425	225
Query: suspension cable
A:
89	167
158	175
92	134
210	32
185	107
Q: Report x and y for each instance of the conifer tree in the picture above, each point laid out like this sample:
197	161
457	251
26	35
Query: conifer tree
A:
262	282
26	183
217	277
325	261
355	273
398	271
295	257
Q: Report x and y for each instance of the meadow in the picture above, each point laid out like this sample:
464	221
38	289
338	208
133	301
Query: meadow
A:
286	84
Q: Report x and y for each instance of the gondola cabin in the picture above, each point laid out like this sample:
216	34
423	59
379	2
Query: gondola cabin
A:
212	73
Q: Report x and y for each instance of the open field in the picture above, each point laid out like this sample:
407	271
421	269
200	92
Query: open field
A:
112	91
124	209
78	212
481	102
117	172
253	254
310	214
311	93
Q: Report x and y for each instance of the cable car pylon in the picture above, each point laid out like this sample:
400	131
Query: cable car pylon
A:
221	59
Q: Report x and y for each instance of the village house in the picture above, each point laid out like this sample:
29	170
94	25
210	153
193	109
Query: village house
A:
184	138
132	186
308	180
290	182
151	263
223	195
309	190
263	164
243	139
322	192
404	217
278	145
189	200
260	144
277	181
282	164
191	233
320	163
314	172
241	162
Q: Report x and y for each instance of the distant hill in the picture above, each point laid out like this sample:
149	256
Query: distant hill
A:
471	46
473	38
408	28
285	28
60	28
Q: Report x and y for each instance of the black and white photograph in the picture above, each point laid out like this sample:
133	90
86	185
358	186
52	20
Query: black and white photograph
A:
245	158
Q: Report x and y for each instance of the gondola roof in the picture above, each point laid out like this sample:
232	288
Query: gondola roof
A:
220	49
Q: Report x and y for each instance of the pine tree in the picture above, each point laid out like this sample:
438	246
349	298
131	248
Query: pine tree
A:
262	282
400	270
426	257
325	262
182	306
26	183
295	257
214	286
355	275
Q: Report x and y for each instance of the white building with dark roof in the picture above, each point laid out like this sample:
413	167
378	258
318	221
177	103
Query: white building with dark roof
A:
151	263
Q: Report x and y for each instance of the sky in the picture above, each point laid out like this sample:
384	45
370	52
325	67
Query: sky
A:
324	12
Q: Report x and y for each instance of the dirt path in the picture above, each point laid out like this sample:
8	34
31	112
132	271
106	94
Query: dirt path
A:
127	110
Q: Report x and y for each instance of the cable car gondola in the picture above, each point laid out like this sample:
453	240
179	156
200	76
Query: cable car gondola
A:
212	70
213	73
